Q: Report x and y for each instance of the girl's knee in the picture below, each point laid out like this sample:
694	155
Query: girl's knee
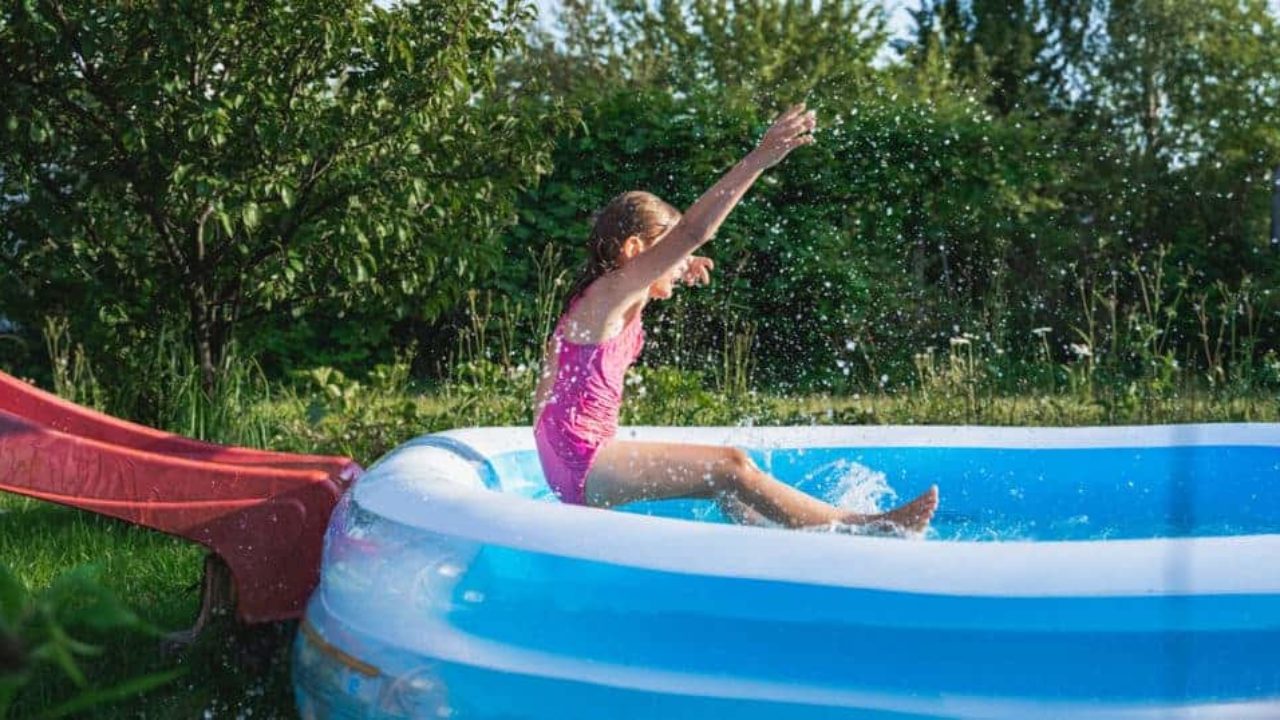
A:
737	465
740	459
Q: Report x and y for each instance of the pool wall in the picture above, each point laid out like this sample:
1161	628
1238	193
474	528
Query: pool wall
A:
448	593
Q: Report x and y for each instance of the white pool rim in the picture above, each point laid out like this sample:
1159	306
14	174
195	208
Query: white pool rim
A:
438	483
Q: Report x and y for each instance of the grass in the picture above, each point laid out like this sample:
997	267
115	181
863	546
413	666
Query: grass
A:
157	576
243	673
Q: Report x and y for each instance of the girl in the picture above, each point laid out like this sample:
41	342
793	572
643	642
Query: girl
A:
639	248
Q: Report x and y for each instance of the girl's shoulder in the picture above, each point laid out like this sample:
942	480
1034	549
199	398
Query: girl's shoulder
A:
605	297
592	320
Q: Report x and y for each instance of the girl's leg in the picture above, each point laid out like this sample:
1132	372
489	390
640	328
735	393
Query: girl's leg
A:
626	471
740	512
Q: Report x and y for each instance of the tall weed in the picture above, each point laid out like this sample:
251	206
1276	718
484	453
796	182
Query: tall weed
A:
163	389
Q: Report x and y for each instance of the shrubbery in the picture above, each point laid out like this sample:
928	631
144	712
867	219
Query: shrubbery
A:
986	179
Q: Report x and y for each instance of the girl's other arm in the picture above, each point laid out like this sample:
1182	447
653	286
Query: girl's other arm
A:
703	218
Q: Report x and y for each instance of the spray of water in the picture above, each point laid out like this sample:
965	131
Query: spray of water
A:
858	488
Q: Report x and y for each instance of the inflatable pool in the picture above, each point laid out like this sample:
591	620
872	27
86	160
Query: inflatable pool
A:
1089	572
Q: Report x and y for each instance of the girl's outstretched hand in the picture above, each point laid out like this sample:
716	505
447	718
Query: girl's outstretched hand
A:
792	129
696	270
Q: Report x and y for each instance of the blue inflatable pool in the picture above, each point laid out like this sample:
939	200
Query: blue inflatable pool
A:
1089	572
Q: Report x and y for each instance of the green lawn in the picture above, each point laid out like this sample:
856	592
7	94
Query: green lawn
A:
230	672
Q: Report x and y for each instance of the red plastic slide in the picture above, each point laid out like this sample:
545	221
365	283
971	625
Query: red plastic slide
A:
262	513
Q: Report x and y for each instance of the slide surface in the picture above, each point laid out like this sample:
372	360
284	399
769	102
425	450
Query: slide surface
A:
264	513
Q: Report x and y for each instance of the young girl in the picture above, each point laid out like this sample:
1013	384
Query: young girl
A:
639	248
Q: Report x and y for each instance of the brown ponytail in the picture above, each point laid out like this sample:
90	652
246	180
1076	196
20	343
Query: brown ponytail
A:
632	213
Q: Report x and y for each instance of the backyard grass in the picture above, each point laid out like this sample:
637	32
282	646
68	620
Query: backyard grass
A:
244	672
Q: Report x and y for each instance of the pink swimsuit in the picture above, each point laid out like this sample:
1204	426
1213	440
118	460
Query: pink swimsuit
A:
581	413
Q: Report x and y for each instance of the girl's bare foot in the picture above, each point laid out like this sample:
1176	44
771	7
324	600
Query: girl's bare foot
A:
913	516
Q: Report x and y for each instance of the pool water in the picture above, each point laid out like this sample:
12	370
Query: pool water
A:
995	494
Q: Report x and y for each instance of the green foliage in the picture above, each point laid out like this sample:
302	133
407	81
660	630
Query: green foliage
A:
36	630
165	389
1018	55
958	192
344	415
903	209
767	49
773	50
231	160
1163	107
371	179
669	396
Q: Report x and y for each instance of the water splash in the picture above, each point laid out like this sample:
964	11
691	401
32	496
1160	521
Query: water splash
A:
858	488
862	490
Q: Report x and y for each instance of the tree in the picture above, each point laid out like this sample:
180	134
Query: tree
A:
1168	104
775	50
214	160
1005	47
1191	92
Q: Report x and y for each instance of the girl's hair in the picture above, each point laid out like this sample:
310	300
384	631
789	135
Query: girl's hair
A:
631	213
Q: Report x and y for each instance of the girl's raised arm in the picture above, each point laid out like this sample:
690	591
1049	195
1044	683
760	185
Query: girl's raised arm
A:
700	222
